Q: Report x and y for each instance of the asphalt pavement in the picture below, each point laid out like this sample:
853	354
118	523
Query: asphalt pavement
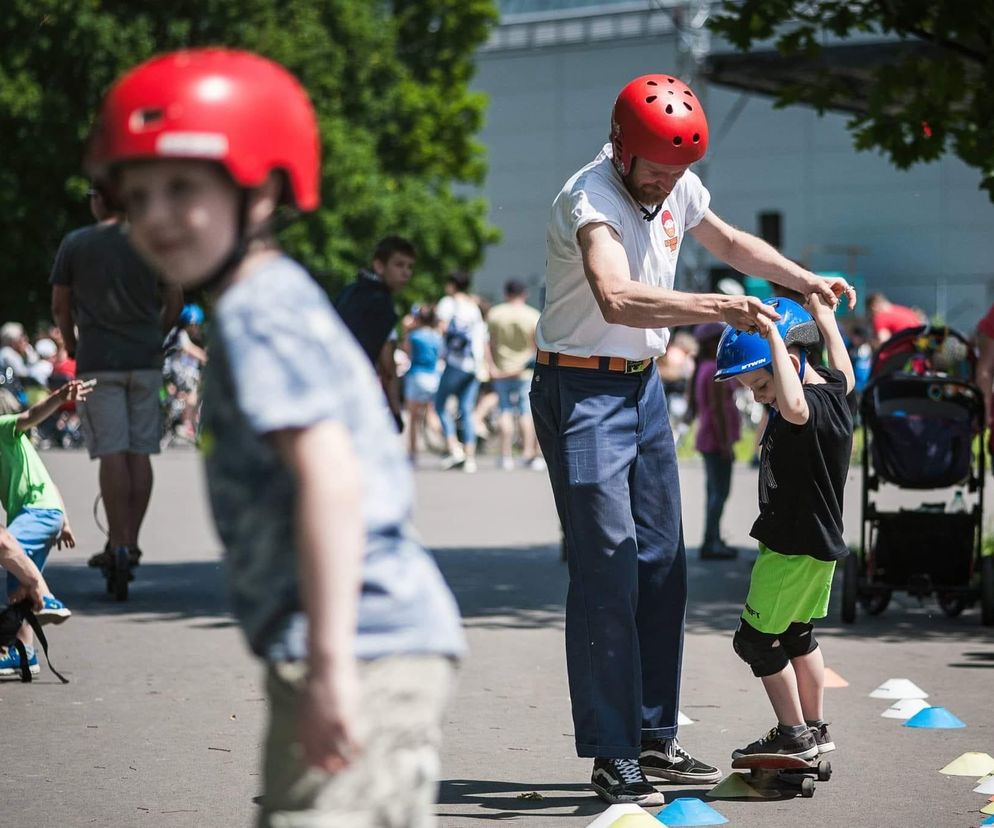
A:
162	721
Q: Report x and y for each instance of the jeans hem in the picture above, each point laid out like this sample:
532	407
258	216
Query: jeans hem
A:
651	733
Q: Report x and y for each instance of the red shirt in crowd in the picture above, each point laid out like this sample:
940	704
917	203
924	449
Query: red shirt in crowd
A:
986	325
895	318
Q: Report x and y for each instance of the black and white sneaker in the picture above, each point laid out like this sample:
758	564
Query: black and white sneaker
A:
622	780
779	743
822	737
666	759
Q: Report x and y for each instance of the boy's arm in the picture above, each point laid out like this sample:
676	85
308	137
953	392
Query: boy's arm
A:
838	356
786	383
42	410
330	539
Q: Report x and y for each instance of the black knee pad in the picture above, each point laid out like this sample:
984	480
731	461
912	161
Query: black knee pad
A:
799	639
761	651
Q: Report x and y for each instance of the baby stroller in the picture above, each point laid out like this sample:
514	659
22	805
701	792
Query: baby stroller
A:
923	422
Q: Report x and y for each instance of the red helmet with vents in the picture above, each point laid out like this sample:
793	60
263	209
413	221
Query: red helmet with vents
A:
236	108
659	118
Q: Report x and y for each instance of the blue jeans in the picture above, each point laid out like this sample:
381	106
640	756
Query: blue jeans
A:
36	530
464	386
512	395
718	483
607	442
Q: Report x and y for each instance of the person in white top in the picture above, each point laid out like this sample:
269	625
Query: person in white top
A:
463	349
613	241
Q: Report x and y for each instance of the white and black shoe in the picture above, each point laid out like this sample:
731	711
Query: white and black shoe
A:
622	780
666	759
822	737
778	743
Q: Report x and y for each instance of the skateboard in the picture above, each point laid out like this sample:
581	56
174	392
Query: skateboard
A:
118	574
769	768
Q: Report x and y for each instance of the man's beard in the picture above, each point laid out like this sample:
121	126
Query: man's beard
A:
646	195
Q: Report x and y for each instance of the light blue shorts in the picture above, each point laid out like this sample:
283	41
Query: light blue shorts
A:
420	386
36	530
512	395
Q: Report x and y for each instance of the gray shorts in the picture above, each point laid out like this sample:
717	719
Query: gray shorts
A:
393	781
122	413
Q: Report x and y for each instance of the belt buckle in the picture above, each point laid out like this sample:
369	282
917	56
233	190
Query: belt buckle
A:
636	366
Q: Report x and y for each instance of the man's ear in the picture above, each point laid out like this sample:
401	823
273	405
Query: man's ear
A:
378	267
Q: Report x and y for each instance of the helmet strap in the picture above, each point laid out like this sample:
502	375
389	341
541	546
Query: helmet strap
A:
649	215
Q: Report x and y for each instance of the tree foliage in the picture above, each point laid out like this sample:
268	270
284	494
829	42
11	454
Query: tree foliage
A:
934	99
389	80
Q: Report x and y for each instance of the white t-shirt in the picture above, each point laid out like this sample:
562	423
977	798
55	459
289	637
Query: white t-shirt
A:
571	321
463	333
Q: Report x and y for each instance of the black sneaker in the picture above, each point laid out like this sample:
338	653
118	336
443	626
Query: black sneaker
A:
776	742
676	765
822	737
622	780
106	557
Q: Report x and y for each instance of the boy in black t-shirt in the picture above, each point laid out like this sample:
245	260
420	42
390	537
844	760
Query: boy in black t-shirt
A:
805	460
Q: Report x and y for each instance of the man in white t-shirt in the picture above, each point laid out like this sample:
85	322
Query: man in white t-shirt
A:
613	241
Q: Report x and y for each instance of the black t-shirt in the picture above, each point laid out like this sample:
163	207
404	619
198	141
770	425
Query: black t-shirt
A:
366	308
803	473
116	300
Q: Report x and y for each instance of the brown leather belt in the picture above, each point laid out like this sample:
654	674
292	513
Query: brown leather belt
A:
618	365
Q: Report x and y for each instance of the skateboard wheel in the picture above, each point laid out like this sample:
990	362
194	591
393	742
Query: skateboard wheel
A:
807	787
824	771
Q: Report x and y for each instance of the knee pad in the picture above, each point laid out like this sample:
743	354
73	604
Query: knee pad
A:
761	651
798	640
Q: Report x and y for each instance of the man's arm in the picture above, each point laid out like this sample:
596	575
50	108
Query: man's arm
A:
838	355
15	560
623	301
62	314
172	304
750	254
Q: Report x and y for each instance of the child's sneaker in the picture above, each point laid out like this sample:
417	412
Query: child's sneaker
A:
782	744
822	737
666	759
452	460
10	662
622	780
52	611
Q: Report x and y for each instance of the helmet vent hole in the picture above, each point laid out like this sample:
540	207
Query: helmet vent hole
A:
650	99
651	83
697	137
689	107
671	80
688	92
669	109
146	118
677	140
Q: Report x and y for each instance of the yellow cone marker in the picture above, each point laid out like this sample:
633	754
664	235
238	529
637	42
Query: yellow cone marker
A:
970	764
988	809
737	786
614	813
833	679
643	820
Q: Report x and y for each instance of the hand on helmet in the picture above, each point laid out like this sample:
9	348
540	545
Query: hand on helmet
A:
747	313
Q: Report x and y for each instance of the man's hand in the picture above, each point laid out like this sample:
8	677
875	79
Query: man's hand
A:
326	725
35	589
819	308
746	313
66	537
831	290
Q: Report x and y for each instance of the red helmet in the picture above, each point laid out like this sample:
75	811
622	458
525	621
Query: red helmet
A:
236	108
658	118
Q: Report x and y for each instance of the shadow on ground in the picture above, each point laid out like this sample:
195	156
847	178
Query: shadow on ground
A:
512	800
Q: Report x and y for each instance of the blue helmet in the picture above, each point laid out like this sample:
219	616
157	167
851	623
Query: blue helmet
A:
191	315
741	351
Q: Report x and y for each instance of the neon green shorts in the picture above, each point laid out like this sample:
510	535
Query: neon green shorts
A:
787	588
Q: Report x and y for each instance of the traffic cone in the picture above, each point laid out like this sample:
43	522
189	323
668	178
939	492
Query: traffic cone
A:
971	764
988	821
689	811
833	679
899	688
643	820
904	708
683	719
737	786
988	809
986	785
934	717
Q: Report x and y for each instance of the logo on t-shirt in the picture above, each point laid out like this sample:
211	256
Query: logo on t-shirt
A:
669	228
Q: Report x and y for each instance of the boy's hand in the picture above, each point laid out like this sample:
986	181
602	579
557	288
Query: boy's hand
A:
66	537
327	718
766	327
819	308
76	390
831	290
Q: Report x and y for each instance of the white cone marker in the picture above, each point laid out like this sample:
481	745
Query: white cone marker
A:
899	688
904	709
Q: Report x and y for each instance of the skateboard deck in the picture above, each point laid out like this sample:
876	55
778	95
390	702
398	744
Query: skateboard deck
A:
773	761
769	768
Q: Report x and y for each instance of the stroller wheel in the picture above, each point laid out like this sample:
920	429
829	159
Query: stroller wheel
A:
875	603
952	605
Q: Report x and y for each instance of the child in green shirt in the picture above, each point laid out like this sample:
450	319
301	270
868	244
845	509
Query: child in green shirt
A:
36	515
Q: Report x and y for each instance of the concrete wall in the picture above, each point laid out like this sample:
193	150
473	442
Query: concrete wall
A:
928	232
